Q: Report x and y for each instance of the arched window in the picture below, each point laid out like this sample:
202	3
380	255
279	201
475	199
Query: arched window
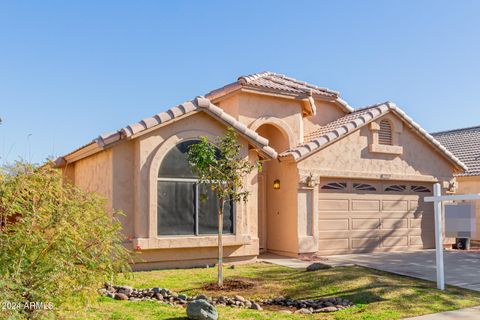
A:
363	187
420	189
396	188
335	186
385	133
185	206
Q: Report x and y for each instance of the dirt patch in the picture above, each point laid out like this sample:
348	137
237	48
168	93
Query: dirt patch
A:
235	284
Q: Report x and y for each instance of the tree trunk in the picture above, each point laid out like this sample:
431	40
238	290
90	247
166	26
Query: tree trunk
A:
220	243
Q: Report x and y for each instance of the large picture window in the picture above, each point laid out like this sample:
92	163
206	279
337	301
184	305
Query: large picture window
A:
185	206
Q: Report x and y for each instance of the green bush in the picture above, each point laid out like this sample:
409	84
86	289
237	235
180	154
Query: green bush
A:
58	244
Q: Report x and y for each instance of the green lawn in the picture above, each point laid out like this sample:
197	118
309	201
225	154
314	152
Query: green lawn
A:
377	295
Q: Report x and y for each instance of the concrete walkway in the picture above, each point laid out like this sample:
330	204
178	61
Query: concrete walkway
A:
462	314
462	269
283	261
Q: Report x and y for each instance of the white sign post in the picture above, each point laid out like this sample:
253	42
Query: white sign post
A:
437	200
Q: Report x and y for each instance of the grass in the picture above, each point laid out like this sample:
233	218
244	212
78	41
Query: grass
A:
377	295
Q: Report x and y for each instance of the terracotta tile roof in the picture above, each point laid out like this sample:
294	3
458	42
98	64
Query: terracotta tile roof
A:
199	104
279	83
357	114
341	127
464	144
271	80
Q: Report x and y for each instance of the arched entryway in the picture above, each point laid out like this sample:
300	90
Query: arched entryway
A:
280	141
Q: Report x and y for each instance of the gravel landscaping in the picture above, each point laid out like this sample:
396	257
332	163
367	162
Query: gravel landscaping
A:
166	296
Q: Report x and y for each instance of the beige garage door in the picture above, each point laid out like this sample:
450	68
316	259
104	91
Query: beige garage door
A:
366	216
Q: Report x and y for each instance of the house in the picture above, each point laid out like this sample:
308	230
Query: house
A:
465	145
335	180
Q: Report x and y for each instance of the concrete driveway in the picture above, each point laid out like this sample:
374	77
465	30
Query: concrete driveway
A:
462	269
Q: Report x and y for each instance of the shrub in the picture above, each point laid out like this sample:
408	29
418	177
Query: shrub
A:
58	244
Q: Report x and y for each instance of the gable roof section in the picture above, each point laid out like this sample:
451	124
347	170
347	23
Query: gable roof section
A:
270	82
199	104
465	144
343	126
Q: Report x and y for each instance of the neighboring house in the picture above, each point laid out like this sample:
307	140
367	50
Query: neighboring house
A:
465	145
335	180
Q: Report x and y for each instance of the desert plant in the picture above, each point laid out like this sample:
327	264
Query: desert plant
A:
58	244
220	165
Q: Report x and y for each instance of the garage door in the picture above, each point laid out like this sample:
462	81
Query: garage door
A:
366	216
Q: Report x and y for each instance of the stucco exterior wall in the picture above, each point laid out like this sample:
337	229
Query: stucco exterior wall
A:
326	112
94	174
471	185
123	184
350	157
149	151
253	110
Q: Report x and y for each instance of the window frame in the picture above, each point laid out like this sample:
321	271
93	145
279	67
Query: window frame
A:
196	182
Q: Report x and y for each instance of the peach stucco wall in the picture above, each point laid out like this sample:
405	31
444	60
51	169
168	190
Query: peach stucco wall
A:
471	185
326	112
136	164
94	174
350	157
253	110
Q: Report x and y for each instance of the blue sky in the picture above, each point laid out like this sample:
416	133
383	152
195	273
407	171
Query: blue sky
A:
70	70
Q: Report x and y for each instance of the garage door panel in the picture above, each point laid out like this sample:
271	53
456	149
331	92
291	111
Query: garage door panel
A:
390	223
337	234
424	241
336	243
359	222
365	233
333	205
333	224
369	224
395	205
424	223
366	205
396	215
395	241
366	243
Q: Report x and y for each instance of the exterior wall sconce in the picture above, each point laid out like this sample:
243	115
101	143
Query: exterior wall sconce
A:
310	181
276	184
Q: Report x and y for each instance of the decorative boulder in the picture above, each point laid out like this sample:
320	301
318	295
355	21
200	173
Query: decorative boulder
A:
201	310
120	296
125	290
318	266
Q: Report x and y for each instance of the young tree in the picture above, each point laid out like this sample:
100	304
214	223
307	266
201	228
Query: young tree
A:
58	244
220	165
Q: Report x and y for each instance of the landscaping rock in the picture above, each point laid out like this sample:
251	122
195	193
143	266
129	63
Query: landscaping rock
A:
318	266
327	309
303	311
201	310
168	297
120	296
256	306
